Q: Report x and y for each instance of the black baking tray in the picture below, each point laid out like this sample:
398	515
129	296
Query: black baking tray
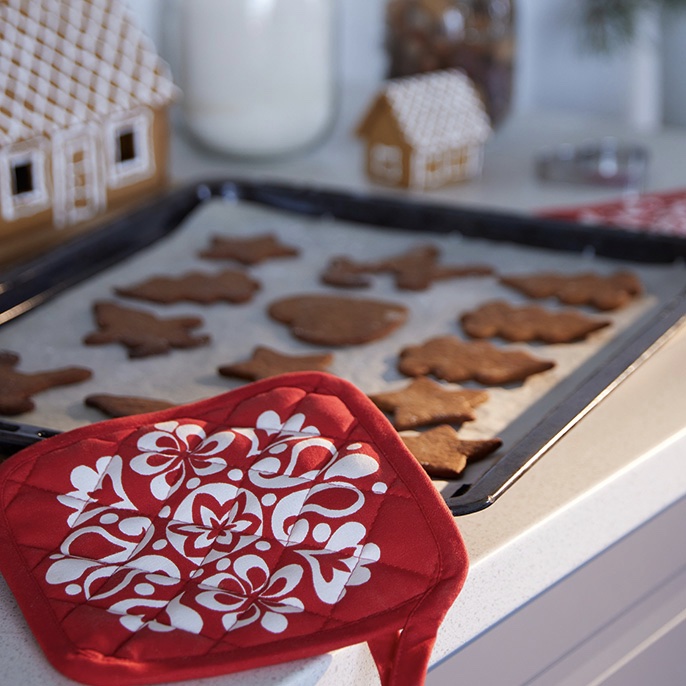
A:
28	285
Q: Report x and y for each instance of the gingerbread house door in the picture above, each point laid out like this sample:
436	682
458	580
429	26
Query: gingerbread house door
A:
78	176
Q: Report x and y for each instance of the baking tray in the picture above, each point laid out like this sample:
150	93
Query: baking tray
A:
33	283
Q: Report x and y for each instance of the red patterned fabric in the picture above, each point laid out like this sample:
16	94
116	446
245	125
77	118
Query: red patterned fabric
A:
278	521
663	213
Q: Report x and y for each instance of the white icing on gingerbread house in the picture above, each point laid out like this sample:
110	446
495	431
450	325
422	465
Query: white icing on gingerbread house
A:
426	131
83	98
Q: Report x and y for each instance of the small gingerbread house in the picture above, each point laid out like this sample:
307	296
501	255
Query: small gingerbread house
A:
425	131
83	114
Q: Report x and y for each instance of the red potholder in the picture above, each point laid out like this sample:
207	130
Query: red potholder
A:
274	522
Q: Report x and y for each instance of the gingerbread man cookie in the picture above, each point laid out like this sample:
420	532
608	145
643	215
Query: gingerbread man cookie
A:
143	333
17	388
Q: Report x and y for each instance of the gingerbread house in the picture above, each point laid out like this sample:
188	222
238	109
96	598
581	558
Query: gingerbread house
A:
425	131
83	116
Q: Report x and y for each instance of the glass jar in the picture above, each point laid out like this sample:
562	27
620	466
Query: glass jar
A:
258	77
476	36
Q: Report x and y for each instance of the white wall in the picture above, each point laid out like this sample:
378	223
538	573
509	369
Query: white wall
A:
552	72
675	70
555	72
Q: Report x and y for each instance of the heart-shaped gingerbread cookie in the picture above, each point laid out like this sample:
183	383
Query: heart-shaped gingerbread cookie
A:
337	320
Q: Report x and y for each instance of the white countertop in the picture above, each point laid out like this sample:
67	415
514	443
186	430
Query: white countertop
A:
618	467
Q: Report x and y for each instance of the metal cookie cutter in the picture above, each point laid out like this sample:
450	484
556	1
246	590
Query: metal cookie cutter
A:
603	163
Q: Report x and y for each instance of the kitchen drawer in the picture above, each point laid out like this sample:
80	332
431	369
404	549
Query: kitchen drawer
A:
622	613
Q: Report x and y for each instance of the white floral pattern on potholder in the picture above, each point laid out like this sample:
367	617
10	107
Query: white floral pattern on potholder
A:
220	524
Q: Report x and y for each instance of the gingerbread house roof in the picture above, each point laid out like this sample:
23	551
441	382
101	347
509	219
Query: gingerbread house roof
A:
436	110
66	62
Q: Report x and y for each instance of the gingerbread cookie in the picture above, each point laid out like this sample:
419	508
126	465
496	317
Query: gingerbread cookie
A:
451	359
17	388
415	270
265	362
418	268
346	273
230	285
337	320
248	249
529	323
423	402
444	455
602	292
143	333
125	405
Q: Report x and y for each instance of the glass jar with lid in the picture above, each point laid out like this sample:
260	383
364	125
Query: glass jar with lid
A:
474	35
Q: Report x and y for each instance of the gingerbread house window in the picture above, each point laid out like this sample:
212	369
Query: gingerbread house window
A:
22	178
387	162
458	160
23	187
129	153
126	148
437	169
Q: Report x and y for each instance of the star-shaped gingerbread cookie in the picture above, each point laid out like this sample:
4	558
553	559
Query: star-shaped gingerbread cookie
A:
529	323
444	455
266	362
602	292
229	285
451	359
423	402
143	333
248	249
16	388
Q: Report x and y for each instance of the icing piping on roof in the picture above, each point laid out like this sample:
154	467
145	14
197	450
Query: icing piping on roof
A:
438	109
65	62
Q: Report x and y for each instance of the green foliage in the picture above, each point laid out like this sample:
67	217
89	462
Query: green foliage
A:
609	24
